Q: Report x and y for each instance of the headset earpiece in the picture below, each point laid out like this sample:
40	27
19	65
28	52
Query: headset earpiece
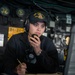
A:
26	25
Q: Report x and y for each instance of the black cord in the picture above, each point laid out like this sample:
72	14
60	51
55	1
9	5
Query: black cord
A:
49	16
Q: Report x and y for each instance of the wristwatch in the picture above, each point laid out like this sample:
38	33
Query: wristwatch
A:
39	53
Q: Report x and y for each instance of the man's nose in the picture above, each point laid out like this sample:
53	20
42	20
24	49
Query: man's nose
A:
38	28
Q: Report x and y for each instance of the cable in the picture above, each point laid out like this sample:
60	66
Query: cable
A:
42	9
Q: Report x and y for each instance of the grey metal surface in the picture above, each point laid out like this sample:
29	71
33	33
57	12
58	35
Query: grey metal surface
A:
70	62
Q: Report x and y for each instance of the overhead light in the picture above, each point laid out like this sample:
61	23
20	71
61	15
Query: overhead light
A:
20	12
4	10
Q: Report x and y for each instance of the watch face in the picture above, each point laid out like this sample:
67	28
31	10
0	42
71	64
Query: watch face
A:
4	11
20	12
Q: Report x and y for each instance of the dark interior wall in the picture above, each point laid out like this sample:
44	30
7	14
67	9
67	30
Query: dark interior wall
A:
4	31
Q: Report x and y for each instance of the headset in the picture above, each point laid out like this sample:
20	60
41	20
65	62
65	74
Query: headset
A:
26	24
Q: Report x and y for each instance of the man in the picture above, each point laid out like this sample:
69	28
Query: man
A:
32	54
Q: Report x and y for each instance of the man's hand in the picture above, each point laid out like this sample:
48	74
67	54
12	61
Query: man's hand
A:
21	69
35	43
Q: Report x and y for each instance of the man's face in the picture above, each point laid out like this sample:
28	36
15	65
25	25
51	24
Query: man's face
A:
37	28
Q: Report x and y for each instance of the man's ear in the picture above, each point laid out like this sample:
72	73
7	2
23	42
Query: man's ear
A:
26	25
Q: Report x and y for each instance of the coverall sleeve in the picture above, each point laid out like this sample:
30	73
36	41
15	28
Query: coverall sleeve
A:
10	58
49	56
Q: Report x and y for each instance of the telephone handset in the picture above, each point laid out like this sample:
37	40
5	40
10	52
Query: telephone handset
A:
33	36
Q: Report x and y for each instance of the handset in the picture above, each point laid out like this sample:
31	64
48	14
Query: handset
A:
33	36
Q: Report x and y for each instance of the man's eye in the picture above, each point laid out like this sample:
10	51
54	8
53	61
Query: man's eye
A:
43	26
36	24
